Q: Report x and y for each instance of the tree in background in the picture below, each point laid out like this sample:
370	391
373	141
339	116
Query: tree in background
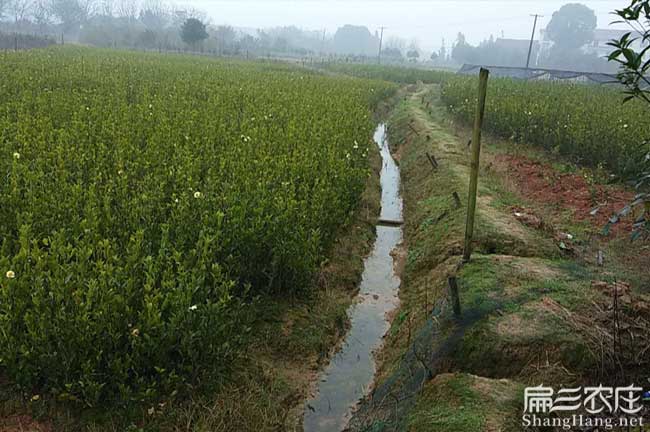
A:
193	31
127	9
392	55
572	27
395	42
154	15
357	40
3	7
70	12
106	7
20	9
434	56
296	39
280	44
225	36
463	52
42	14
634	74
443	51
147	39
413	52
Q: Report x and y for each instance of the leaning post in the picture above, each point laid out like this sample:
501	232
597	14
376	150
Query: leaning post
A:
476	152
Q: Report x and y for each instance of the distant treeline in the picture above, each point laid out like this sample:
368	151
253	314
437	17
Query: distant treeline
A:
156	24
24	41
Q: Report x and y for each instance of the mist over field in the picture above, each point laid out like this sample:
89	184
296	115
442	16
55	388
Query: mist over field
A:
426	21
440	34
324	216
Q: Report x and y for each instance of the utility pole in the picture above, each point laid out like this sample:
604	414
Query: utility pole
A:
532	37
381	38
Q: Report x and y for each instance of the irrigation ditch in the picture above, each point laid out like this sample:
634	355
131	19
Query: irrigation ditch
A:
537	304
351	370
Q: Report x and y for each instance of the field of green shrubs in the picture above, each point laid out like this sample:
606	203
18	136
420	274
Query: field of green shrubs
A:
147	199
588	123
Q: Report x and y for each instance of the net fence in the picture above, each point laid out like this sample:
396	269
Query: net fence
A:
540	74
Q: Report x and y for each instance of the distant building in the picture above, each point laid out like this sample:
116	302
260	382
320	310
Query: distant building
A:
601	38
510	52
515	44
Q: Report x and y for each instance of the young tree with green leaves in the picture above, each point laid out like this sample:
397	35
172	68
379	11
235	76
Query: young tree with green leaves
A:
632	53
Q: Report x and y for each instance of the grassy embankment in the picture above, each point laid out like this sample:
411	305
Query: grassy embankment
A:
534	310
397	74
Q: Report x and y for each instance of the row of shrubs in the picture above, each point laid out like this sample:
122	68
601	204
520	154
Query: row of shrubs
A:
588	123
147	199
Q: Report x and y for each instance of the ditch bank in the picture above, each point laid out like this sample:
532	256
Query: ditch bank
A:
533	311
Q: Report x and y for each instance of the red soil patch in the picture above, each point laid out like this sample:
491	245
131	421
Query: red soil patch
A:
23	423
542	183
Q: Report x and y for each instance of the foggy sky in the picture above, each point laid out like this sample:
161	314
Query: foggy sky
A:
427	20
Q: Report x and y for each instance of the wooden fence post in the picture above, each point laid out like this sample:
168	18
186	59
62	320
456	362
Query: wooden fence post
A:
453	294
457	202
476	152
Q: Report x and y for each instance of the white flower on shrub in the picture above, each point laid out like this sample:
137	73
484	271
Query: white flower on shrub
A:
10	274
135	332
198	194
193	307
16	155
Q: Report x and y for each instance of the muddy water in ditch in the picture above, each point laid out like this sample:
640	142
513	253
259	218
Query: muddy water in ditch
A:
350	373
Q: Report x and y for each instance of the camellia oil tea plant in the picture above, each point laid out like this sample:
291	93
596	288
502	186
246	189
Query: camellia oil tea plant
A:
588	123
146	199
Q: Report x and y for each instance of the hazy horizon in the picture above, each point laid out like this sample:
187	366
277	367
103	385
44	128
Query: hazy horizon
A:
477	19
